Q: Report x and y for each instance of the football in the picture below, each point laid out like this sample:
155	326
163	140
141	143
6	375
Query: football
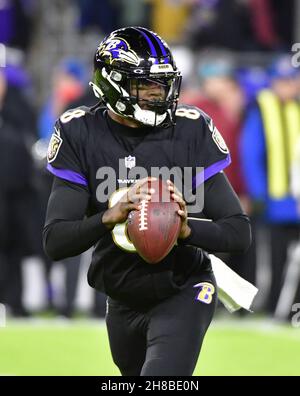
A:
154	229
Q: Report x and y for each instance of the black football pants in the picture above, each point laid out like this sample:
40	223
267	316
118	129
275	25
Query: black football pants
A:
165	340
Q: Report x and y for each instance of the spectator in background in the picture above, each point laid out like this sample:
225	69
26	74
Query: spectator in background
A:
272	23
269	136
135	12
67	87
284	21
103	15
169	18
18	196
263	24
15	21
252	80
241	25
295	174
290	291
220	23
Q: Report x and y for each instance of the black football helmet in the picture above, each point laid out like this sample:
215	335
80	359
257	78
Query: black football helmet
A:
132	58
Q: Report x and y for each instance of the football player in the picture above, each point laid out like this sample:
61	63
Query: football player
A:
156	318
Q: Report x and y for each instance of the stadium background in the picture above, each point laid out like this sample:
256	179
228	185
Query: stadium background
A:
51	322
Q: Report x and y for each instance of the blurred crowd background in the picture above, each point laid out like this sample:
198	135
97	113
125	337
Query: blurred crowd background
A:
238	66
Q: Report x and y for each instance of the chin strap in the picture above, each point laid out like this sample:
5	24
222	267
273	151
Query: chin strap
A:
148	117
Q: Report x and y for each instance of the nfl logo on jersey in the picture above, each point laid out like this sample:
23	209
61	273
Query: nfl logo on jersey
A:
130	162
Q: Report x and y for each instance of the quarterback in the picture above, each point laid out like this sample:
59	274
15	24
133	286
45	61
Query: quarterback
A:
156	319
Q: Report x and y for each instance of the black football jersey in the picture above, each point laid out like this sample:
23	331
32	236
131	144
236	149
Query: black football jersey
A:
89	149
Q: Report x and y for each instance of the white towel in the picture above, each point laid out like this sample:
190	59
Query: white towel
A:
234	291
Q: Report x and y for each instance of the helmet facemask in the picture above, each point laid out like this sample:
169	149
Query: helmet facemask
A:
150	99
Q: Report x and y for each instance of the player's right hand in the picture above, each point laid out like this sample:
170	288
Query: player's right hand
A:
129	201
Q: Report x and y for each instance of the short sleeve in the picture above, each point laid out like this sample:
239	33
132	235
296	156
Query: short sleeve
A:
64	156
212	153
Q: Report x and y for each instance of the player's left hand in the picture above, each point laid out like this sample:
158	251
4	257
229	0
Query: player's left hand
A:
177	196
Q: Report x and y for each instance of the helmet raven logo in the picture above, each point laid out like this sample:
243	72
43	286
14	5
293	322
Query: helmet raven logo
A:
117	49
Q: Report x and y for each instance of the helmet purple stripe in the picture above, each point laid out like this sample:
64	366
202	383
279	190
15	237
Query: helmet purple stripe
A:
160	45
152	48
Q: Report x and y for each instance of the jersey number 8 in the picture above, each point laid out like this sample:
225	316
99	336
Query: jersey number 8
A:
70	114
192	114
119	233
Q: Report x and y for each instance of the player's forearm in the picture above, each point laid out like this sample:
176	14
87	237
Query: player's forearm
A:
70	238
229	235
230	229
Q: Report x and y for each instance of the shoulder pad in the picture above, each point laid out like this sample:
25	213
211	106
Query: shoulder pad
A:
72	114
191	113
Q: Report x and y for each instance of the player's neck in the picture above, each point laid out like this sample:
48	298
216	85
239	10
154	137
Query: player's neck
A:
124	121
